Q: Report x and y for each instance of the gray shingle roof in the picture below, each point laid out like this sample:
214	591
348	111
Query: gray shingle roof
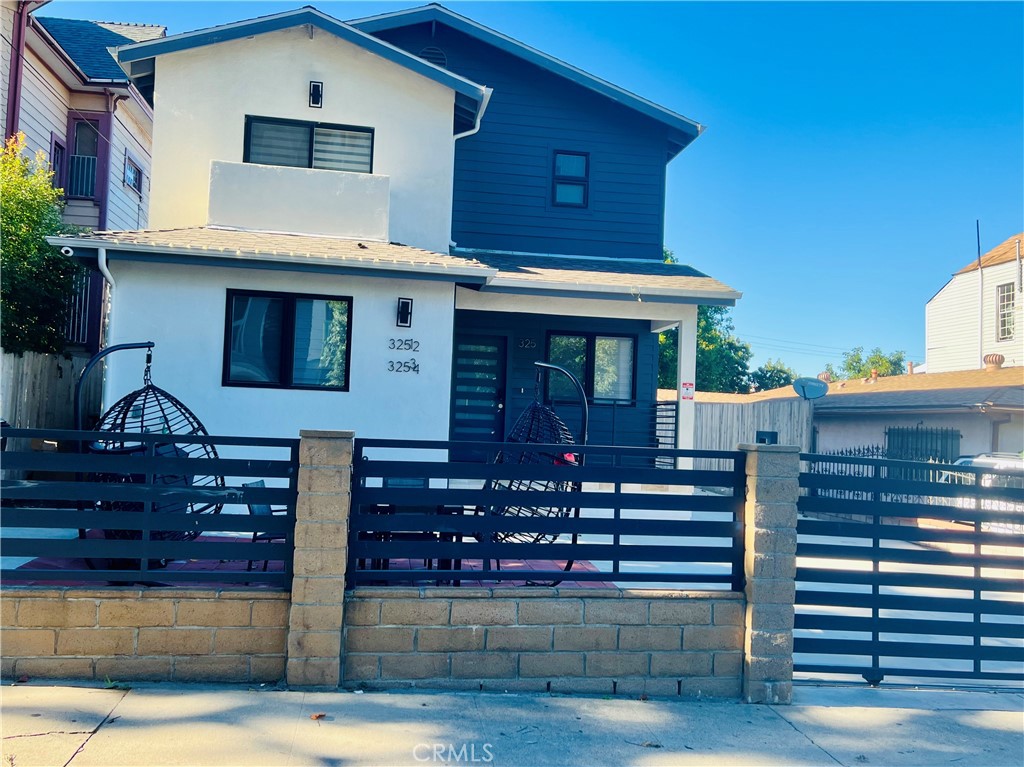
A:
270	246
604	274
86	43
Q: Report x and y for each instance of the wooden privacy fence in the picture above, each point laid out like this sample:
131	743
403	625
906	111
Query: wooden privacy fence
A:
910	570
97	516
544	523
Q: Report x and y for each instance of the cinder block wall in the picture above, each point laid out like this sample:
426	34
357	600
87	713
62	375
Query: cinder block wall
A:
144	634
604	641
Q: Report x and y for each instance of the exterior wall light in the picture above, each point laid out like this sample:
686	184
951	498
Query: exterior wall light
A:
316	94
404	319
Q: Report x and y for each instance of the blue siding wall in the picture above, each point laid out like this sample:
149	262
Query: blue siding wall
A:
503	173
526	338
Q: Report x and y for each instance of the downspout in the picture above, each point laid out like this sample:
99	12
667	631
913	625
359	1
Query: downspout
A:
101	262
17	69
472	131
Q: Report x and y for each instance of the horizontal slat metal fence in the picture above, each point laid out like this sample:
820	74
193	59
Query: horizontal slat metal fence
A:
472	522
909	569
63	524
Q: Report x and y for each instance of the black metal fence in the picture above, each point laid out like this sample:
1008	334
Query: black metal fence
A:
908	571
922	443
417	517
83	514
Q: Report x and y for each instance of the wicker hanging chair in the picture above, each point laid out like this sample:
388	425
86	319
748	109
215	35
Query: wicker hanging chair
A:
151	410
539	424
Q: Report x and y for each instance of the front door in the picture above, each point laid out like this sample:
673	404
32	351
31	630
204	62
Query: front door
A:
478	393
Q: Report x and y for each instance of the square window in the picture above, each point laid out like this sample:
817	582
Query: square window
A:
298	144
132	175
603	364
570	179
286	341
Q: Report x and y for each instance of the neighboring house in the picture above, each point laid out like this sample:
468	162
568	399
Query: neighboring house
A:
357	231
65	91
978	312
984	407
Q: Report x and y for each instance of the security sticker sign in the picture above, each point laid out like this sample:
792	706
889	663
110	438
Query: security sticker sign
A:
686	390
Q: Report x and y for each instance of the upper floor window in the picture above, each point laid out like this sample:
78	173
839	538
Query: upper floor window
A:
85	141
58	160
132	174
286	341
1005	296
300	144
604	364
571	179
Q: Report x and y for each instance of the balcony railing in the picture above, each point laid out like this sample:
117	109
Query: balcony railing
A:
81	176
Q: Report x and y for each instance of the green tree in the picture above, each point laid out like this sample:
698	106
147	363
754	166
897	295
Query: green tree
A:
36	281
856	365
722	358
772	375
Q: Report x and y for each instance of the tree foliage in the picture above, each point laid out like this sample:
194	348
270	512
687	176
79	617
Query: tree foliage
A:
856	365
772	375
723	360
36	281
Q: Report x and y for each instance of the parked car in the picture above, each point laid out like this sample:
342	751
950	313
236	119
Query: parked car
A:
1006	471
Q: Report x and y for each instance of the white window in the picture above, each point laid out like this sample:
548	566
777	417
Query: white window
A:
1005	296
132	174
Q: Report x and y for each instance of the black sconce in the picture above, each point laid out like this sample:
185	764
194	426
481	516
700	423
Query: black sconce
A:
316	94
404	319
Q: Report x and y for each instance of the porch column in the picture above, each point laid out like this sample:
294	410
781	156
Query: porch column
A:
686	375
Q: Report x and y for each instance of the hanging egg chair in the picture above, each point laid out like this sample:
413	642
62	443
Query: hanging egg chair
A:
539	424
151	410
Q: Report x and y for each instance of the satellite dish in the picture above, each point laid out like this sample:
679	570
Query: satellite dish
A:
810	388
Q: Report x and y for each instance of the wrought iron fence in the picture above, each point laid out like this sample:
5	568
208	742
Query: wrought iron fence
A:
417	517
81	176
88	515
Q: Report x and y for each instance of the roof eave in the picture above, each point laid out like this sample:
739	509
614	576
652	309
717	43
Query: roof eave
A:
286	20
687	129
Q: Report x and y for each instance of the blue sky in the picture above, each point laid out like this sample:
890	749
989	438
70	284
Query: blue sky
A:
849	148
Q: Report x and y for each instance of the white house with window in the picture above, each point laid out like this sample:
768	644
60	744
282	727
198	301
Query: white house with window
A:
978	313
300	270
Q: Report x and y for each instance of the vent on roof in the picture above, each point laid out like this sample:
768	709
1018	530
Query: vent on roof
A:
435	56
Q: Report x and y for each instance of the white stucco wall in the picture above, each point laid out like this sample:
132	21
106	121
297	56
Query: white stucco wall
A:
976	430
249	196
203	95
182	309
952	330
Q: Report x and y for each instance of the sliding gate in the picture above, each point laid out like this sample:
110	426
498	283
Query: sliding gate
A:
909	570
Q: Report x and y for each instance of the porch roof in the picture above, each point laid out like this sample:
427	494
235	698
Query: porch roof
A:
632	279
223	246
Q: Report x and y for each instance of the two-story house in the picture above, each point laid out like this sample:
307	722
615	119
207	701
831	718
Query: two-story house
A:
978	313
381	225
72	100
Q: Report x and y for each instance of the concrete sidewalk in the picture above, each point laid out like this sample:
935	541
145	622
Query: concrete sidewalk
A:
207	725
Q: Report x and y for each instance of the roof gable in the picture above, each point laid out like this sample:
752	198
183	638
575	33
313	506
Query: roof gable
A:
469	95
683	130
1000	254
88	43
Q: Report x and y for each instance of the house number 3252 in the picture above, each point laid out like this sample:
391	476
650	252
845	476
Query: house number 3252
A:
404	344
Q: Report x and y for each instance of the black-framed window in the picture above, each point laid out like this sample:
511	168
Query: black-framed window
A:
288	341
301	144
604	364
570	179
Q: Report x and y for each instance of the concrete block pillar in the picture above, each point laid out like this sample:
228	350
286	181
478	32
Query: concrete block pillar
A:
773	475
321	559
